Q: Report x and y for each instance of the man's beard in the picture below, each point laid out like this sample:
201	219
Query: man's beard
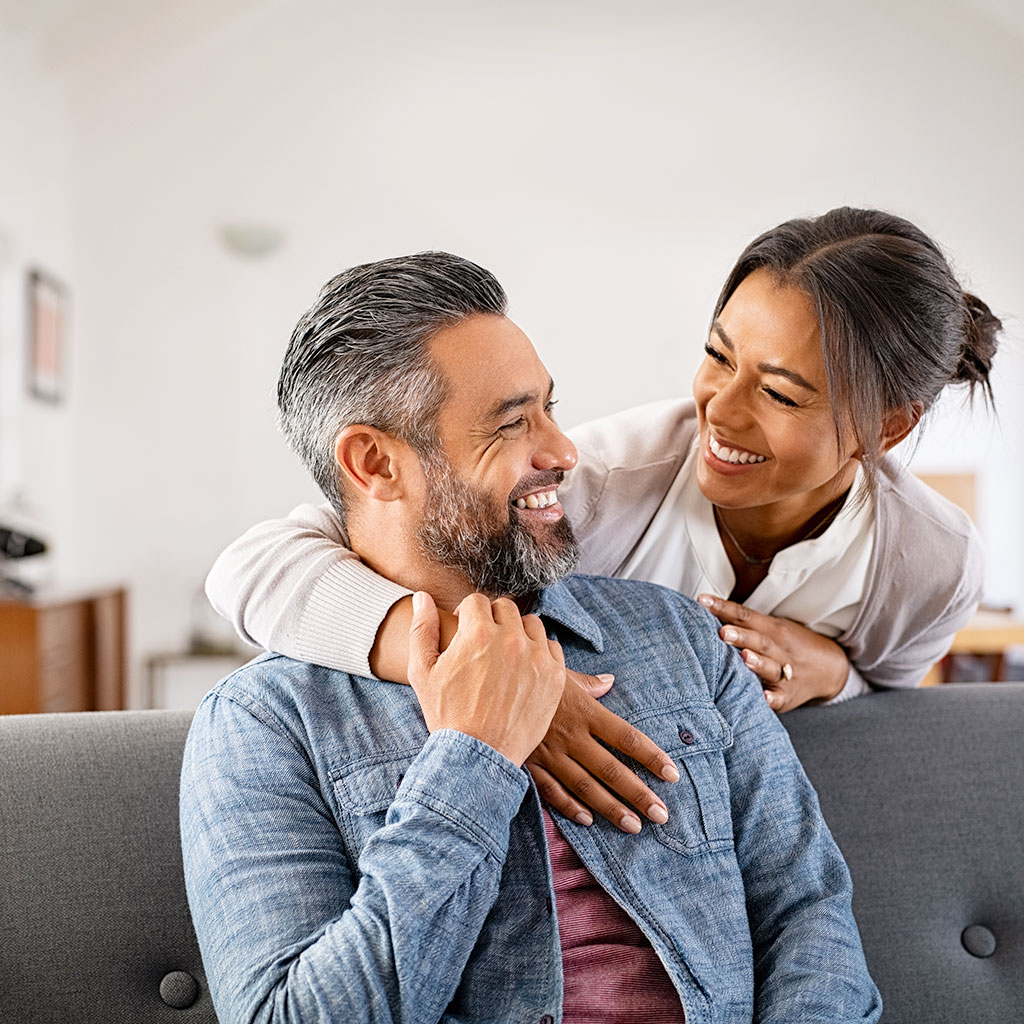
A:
492	548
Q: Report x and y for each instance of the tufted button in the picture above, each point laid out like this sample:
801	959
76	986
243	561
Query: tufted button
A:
978	941
179	989
686	736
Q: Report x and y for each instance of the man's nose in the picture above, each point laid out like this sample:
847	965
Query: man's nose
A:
554	450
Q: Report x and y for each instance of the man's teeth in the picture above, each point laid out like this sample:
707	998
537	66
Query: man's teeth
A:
732	454
539	500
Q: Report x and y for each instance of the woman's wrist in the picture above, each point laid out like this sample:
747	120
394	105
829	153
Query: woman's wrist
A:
389	656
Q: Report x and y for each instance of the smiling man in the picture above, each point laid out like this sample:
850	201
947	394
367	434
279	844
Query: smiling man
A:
356	850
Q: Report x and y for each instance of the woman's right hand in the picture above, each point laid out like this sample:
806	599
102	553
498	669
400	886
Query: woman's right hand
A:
573	771
575	774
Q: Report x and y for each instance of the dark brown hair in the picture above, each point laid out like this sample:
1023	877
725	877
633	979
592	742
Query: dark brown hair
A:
896	326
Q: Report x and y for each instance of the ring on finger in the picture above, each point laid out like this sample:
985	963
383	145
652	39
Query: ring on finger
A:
786	672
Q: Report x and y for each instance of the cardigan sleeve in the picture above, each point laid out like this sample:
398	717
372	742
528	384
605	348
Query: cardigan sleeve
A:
293	587
925	582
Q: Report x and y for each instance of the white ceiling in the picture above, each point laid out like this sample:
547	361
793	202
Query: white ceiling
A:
88	39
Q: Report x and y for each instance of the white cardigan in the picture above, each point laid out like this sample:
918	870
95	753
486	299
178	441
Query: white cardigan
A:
291	586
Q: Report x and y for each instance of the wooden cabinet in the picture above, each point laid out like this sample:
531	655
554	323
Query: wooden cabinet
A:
62	653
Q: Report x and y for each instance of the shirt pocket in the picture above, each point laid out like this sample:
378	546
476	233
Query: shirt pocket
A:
696	737
363	792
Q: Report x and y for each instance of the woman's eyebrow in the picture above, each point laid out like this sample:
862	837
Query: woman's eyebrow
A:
791	375
778	371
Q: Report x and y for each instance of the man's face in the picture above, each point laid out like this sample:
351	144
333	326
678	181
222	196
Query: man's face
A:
491	508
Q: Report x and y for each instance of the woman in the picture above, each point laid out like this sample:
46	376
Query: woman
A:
770	496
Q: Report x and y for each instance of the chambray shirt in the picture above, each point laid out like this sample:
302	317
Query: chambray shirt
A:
343	865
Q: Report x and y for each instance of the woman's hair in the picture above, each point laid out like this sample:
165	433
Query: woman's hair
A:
896	327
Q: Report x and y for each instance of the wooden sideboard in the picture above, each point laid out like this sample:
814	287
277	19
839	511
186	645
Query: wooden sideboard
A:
62	652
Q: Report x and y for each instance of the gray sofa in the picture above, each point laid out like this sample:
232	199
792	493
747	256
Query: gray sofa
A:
922	789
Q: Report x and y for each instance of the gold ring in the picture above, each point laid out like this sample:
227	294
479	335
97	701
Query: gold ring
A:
787	672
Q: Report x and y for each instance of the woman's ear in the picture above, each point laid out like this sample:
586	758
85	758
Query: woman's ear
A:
898	423
371	462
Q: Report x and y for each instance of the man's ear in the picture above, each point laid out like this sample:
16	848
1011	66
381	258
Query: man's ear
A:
898	423
371	461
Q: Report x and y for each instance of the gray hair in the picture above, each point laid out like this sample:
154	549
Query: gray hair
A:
360	355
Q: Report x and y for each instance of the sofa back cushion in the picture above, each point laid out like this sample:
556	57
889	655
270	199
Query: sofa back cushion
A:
924	793
94	924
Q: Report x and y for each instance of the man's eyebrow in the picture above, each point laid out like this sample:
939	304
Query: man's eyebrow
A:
778	371
506	405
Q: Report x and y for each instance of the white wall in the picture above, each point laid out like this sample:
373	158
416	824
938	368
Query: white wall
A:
607	161
36	447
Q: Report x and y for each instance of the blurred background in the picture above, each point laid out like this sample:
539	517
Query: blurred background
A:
184	176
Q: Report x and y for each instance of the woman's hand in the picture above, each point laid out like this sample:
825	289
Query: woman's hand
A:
795	664
570	760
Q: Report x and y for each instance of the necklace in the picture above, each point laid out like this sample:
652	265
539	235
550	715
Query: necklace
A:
816	527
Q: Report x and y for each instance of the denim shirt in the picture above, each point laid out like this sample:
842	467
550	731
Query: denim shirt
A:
344	865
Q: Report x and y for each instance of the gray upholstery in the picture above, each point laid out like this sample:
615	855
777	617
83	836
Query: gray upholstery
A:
922	790
93	918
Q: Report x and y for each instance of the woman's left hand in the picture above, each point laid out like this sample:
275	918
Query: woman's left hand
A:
795	664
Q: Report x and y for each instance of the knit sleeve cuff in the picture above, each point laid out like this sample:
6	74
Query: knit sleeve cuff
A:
340	622
856	686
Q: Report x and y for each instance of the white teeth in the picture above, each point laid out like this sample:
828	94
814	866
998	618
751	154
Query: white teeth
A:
542	499
732	455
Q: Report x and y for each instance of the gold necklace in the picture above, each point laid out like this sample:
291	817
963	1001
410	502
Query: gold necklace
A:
817	527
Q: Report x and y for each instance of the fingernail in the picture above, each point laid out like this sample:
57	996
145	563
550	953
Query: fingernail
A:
670	773
752	659
707	600
657	813
606	677
583	818
730	634
417	600
630	823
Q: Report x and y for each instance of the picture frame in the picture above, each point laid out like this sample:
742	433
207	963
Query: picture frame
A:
47	337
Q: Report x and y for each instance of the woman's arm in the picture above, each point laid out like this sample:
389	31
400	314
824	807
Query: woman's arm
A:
293	587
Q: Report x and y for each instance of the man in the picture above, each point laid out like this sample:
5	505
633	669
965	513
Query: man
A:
356	850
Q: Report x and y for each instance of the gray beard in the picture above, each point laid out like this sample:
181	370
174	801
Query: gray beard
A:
498	555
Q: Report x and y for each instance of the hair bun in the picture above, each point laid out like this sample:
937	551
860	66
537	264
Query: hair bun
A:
980	344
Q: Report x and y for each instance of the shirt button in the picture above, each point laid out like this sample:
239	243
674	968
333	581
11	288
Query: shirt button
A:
547	1019
686	736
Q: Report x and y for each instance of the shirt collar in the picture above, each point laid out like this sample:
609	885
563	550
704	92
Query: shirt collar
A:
557	603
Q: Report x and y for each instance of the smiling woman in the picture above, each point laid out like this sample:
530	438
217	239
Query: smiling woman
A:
770	496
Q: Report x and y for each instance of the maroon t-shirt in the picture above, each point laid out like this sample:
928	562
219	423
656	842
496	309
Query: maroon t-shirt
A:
612	974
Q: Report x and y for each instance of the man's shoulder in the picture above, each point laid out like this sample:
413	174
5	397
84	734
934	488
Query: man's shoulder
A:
636	606
653	595
281	689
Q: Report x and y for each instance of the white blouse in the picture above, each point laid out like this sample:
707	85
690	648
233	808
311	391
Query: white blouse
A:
819	582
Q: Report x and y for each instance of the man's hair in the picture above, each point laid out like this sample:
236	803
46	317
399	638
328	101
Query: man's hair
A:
360	355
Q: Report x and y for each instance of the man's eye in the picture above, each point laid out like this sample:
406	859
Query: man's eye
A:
715	354
511	428
550	407
775	396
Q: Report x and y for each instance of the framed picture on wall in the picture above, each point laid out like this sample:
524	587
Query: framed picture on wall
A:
47	337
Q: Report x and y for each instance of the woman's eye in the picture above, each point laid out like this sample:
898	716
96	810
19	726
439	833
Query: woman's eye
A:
715	354
775	396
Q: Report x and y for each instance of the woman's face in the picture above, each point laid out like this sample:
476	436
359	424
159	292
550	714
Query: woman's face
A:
767	431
